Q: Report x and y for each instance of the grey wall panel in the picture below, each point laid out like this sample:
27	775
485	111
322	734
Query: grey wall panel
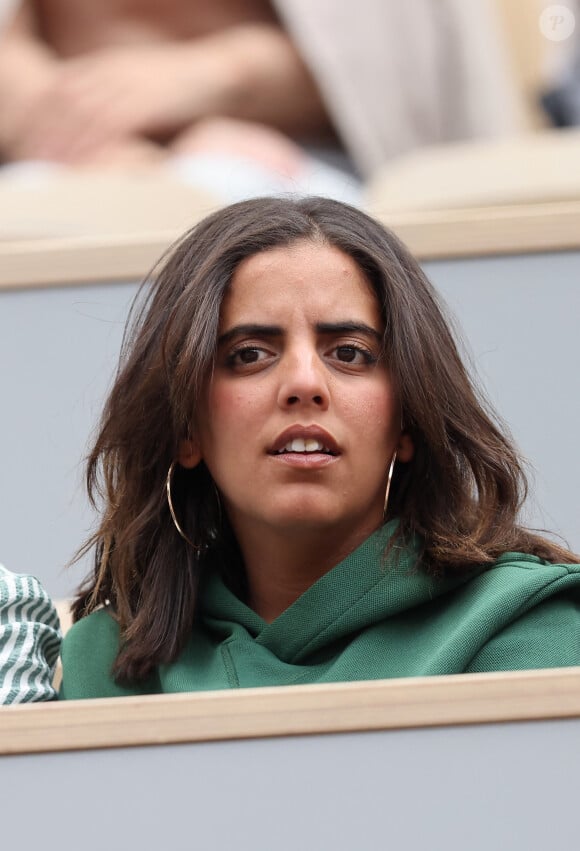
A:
58	350
505	786
521	319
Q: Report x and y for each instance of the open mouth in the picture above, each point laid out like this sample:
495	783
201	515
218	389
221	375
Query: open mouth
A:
310	446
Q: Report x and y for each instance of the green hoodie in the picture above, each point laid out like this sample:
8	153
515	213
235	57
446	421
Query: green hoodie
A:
365	619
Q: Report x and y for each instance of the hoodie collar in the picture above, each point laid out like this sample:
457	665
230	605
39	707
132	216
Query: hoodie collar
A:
363	589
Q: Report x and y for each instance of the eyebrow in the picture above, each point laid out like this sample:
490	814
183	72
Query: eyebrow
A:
349	328
325	328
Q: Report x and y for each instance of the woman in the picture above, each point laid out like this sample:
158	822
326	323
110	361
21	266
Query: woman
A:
299	482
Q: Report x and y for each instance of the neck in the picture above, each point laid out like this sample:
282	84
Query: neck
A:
280	566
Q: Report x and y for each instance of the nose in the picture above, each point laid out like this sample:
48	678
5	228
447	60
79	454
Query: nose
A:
303	381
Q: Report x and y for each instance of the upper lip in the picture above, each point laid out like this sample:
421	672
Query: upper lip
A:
310	432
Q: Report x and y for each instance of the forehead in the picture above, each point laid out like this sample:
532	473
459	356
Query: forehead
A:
310	278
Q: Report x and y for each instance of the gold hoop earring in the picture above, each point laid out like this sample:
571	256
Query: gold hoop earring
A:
389	479
168	482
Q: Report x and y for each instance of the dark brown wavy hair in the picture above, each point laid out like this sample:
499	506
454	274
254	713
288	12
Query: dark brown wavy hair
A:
460	495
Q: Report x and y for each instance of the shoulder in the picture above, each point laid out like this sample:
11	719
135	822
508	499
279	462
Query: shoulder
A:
99	630
29	639
529	577
536	614
88	652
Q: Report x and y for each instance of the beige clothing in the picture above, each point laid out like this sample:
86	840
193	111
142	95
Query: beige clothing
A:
396	75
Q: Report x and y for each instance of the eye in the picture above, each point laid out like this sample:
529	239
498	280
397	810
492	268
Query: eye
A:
246	356
354	354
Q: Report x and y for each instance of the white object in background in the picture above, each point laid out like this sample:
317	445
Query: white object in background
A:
234	178
7	7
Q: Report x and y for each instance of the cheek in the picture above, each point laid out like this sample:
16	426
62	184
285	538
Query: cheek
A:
232	412
231	403
375	412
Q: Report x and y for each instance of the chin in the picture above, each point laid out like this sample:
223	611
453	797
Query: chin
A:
310	516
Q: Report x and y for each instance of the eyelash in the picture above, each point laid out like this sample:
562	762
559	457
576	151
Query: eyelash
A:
368	357
232	358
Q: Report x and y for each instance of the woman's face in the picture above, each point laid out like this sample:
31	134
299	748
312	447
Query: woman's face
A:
300	420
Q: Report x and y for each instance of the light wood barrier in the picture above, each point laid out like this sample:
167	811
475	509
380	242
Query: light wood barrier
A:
289	711
476	761
535	168
73	228
430	234
476	199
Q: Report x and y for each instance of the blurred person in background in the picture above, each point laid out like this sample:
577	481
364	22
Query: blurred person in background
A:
29	640
120	81
271	83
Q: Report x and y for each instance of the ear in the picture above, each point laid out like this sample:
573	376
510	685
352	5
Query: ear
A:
189	454
405	447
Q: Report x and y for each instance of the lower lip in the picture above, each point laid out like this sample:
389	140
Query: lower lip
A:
299	461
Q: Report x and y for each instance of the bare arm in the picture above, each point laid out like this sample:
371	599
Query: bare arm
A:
26	70
265	80
249	72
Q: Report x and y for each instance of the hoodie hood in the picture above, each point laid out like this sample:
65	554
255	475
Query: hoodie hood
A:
370	617
364	589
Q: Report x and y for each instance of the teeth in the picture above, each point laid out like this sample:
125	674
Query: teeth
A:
299	445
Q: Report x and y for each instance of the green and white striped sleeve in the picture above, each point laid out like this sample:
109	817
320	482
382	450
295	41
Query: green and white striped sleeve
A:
29	640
